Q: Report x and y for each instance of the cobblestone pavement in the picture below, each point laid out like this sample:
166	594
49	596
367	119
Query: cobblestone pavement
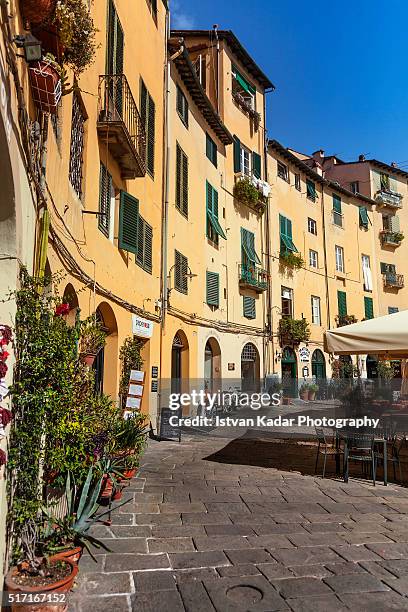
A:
200	535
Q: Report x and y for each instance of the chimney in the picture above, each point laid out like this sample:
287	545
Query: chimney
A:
361	158
318	154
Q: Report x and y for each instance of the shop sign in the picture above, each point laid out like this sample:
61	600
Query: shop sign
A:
304	354
142	327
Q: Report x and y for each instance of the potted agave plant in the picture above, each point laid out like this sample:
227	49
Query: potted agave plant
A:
38	572
92	340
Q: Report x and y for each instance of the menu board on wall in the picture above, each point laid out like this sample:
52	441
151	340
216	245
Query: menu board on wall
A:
135	392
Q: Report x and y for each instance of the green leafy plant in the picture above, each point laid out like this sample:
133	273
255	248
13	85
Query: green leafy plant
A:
77	33
92	336
246	192
291	260
314	388
293	330
398	236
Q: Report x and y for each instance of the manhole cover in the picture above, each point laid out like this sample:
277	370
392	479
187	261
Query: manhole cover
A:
244	594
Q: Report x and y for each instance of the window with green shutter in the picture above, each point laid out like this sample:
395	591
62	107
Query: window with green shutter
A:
214	229
148	115
115	55
249	256
285	229
128	222
342	303
105	195
256	165
213	289
182	106
144	253
211	150
181	181
337	213
368	308
311	190
363	217
180	272
237	154
248	304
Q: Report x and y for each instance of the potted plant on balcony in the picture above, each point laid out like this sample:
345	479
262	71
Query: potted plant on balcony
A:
92	339
313	389
46	86
293	331
304	392
291	260
246	192
76	32
345	320
37	11
398	237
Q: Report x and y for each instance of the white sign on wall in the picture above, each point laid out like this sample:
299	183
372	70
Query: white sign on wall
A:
304	353
142	327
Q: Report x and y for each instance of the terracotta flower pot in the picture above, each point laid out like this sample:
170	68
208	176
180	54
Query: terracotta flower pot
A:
107	487
129	474
312	395
72	555
61	586
117	495
45	86
88	358
37	11
304	395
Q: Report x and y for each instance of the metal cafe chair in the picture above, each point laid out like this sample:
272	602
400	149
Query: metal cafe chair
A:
359	447
324	448
393	456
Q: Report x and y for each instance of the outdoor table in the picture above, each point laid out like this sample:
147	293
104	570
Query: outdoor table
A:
377	440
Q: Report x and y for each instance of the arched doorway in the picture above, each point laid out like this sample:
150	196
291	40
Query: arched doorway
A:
179	361
250	368
372	367
212	363
318	364
105	364
289	372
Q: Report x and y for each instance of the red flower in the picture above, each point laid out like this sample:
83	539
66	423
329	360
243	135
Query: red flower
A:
3	458
7	334
62	310
3	369
5	416
4	355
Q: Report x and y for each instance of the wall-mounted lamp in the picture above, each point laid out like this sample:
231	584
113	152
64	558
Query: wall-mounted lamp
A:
31	46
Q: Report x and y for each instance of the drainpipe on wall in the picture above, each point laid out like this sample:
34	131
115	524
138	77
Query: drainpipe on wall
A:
326	278
217	93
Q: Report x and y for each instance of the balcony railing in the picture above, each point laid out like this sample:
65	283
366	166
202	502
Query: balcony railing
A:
395	281
343	320
120	125
391	238
253	277
389	198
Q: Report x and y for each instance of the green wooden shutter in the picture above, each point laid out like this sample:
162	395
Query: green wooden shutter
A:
151	120
310	190
178	177
180	272
237	154
368	308
148	248
248	307
154	6
105	191
256	165
285	229
143	103
184	192
211	150
214	229
128	222
342	303
140	241
213	289
363	216
181	181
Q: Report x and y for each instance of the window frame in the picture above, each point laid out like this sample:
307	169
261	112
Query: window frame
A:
339	257
181	195
182	106
243	151
298	182
316	320
355	187
337	210
143	230
183	263
312	225
211	150
309	195
287	301
282	171
314	259
76	162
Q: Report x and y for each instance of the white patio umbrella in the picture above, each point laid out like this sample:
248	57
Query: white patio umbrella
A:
384	336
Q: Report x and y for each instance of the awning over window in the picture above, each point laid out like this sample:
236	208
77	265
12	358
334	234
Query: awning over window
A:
251	253
243	82
288	243
364	220
215	224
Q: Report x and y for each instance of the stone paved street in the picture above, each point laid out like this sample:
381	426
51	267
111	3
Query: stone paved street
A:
202	535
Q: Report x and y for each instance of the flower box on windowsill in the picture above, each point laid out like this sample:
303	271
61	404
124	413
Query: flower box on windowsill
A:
246	107
389	238
293	331
345	320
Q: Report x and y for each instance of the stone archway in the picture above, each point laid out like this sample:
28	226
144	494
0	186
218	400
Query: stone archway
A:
179	361
250	368
212	364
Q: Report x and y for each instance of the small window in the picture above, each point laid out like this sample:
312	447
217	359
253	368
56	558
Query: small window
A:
201	70
181	181
211	150
385	182
105	197
392	309
245	161
313	259
180	272
355	187
339	259
214	229
285	229
312	226
286	302
242	90
148	115
249	310
76	157
363	217
342	303
368	308
337	211
283	171
213	289
297	182
182	106
144	253
316	315
311	190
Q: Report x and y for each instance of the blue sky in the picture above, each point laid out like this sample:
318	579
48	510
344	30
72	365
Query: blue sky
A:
340	69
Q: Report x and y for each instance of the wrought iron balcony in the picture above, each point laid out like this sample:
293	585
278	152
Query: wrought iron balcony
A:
393	281
253	277
389	198
120	125
390	238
